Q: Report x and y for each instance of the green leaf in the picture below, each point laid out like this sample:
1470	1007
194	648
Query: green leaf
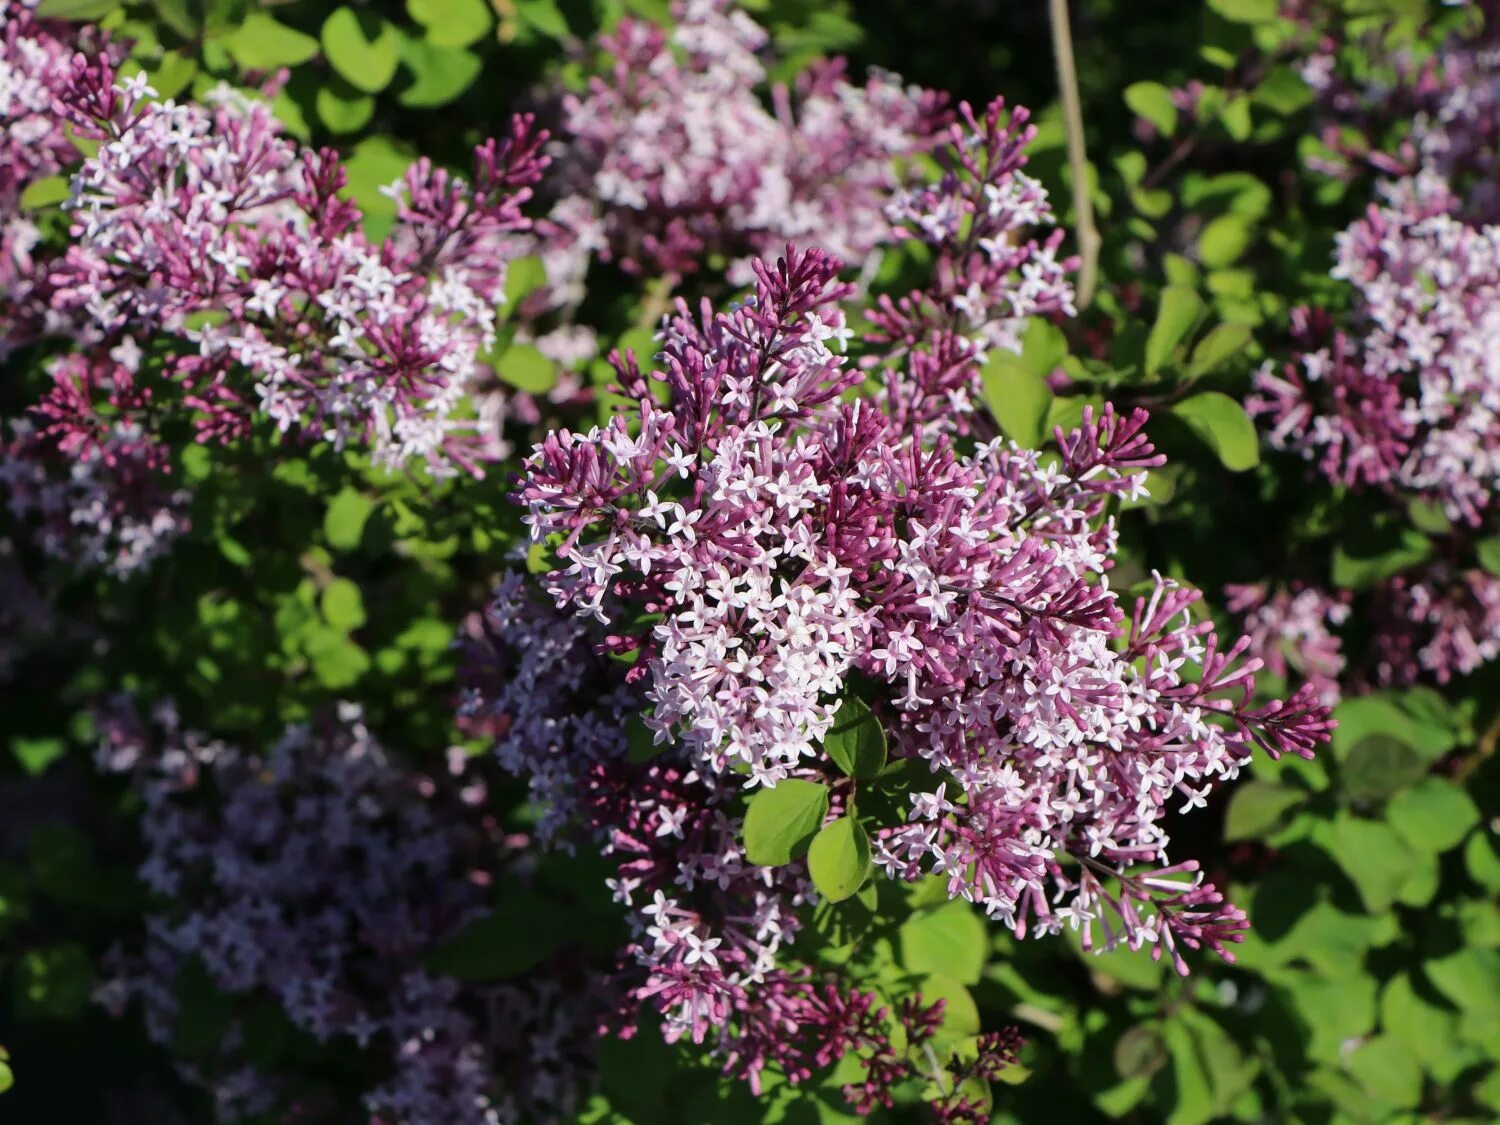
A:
1153	101
1385	1067
1483	862
1469	978
522	275
1375	552
1379	765
1246	11
856	742
1283	91
1217	348
440	74
1179	312
524	367
1223	424
343	607
342	108
45	192
1140	1052
1434	815
53	983
344	522
524	929
781	822
839	858
544	17
375	163
640	740
1258	808
452	23
949	939
1223	240
1488	551
90	11
1374	856
362	47
36	754
960	1014
1017	396
1427	1031
1236	119
263	43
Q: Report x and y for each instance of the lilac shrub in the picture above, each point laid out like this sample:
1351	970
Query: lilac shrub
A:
319	874
779	534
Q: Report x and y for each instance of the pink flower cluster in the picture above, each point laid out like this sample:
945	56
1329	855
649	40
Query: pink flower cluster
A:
205	227
709	929
33	146
679	157
1401	395
1293	632
318	875
779	526
1408	398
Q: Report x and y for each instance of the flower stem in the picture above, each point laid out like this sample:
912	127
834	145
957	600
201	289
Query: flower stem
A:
1083	208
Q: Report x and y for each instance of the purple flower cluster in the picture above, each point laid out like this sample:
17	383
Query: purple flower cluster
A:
709	929
1407	398
203	226
34	145
319	874
1401	395
679	158
773	524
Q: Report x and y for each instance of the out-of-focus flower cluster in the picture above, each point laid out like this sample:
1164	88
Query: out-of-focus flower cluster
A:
317	875
674	157
783	524
1401	394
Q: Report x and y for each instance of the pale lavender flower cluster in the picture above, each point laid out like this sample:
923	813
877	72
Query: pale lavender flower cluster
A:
783	538
709	930
681	157
1401	395
319	874
204	225
33	145
1294	632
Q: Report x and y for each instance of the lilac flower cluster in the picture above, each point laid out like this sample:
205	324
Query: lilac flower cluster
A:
709	929
205	226
1293	632
778	526
1401	395
319	874
680	160
33	146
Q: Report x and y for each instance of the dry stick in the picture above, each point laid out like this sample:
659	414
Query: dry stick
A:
1083	208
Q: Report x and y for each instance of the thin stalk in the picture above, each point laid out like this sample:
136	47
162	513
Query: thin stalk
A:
1083	208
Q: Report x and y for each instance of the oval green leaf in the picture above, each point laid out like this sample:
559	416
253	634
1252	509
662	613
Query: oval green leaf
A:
781	822
839	859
